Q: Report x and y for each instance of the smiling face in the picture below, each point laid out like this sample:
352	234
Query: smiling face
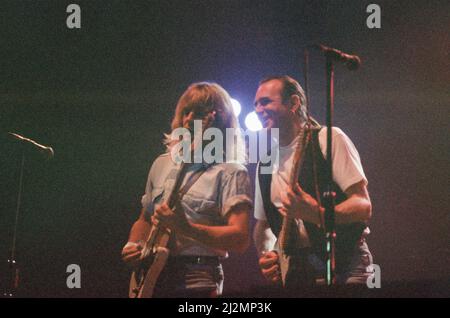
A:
211	104
269	106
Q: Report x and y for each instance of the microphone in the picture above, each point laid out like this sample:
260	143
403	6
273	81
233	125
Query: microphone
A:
48	151
351	61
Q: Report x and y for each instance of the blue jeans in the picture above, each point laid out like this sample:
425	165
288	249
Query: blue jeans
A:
357	271
360	267
181	279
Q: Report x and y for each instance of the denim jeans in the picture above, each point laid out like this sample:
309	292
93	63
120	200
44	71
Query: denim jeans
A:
189	280
357	271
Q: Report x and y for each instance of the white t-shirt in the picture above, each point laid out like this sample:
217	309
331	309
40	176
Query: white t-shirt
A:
347	168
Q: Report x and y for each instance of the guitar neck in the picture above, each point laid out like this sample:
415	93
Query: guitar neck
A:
156	229
289	236
173	197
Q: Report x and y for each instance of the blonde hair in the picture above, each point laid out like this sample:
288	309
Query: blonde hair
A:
208	97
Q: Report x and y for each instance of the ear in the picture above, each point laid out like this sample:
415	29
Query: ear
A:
295	103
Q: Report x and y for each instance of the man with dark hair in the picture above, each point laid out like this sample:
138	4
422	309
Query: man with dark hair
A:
280	103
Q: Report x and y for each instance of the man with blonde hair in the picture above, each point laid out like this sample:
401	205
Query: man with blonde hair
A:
214	211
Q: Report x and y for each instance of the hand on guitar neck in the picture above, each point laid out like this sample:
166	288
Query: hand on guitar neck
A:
298	204
166	217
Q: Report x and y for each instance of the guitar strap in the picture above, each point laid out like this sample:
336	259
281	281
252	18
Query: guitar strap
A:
192	179
180	194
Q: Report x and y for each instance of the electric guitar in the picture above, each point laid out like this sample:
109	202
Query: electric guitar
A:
293	241
156	249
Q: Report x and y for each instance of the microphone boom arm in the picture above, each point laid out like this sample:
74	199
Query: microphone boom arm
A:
47	150
351	61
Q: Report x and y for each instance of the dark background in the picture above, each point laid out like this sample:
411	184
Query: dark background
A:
103	95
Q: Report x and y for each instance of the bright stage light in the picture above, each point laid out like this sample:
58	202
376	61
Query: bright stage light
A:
236	107
252	122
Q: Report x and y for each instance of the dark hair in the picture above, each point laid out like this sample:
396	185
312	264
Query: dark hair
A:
290	87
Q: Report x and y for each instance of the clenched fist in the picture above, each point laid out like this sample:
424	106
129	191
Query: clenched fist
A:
270	267
131	254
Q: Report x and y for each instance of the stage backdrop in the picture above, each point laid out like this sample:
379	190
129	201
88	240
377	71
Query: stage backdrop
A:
103	95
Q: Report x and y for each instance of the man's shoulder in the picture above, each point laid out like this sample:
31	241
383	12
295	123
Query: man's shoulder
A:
336	131
339	137
161	161
163	157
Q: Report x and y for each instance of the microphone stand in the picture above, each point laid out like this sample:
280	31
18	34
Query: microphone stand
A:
329	196
12	263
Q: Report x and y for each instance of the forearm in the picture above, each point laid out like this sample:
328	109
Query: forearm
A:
139	231
227	237
231	236
354	209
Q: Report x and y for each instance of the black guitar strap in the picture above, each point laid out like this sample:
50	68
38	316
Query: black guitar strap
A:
192	179
180	194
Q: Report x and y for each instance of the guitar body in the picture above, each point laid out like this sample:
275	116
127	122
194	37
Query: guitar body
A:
156	250
143	281
296	272
153	260
284	262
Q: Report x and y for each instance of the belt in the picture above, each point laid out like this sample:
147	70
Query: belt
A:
196	260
